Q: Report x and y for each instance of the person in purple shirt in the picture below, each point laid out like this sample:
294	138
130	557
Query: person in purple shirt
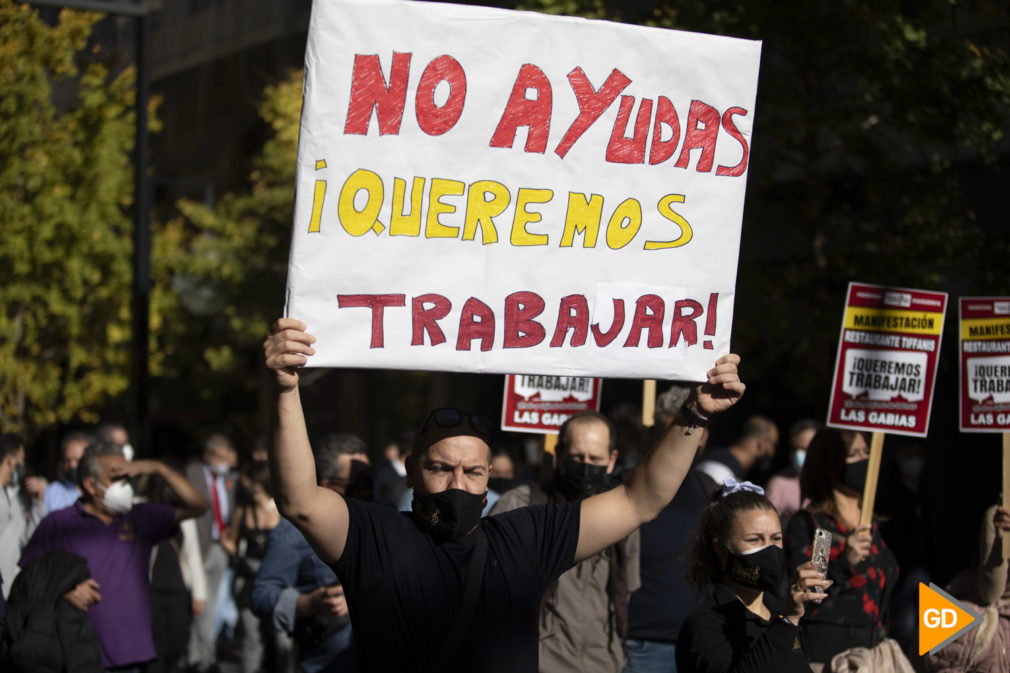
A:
115	537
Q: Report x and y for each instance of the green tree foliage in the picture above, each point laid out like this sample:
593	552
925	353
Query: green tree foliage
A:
221	272
66	133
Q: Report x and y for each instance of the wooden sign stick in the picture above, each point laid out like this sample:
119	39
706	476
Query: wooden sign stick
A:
648	402
872	476
1006	489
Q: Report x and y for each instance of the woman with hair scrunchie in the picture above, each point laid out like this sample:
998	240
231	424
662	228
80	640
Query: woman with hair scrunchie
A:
742	627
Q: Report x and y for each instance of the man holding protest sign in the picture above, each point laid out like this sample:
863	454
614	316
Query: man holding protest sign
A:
407	579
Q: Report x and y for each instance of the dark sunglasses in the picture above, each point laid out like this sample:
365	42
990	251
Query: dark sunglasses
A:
447	417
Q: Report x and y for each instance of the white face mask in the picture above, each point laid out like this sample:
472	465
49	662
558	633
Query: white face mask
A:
128	451
220	469
798	457
119	497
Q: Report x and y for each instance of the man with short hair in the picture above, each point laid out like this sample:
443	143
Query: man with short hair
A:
583	615
115	537
64	491
444	589
22	506
753	450
295	590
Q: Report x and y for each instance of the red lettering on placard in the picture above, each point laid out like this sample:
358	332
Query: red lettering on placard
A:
713	304
376	302
624	150
535	113
426	319
604	338
666	114
573	315
701	133
521	330
683	324
369	91
431	118
649	312
476	322
730	126
592	103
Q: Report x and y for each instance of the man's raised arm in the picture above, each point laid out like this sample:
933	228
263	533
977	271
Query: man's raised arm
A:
611	516
320	514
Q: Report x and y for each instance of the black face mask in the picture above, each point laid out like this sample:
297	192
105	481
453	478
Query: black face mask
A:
758	570
500	484
854	475
70	475
580	480
450	514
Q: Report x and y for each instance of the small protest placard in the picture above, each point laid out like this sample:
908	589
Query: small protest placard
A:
542	403
488	190
985	364
887	356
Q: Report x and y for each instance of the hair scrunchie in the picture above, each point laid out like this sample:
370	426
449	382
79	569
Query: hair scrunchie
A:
731	486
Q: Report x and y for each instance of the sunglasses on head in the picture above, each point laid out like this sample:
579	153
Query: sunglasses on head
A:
447	417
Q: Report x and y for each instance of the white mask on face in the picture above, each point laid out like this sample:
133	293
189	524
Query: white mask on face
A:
119	497
798	457
220	469
128	451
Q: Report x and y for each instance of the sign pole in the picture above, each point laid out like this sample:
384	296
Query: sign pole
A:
1006	489
648	402
872	476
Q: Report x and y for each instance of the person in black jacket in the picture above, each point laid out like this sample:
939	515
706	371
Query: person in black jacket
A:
742	627
42	632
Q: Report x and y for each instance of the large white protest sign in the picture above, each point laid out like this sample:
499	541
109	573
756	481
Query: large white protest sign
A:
488	190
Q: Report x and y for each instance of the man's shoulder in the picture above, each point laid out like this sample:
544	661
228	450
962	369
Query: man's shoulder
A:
514	498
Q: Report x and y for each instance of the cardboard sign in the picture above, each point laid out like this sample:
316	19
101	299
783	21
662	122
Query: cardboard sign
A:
985	364
887	356
542	403
487	190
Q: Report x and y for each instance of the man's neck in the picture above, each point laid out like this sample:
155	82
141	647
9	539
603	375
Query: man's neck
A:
95	511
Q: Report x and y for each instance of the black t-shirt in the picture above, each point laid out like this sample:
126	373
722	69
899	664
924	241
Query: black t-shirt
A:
723	636
403	590
660	605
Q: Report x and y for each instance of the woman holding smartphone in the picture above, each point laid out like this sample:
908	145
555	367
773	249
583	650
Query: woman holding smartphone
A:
742	627
862	568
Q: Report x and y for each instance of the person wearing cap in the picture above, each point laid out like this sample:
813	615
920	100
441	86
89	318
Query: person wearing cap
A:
440	588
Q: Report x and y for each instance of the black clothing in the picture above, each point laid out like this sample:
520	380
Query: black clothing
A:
723	636
859	597
171	606
660	605
724	456
404	590
43	633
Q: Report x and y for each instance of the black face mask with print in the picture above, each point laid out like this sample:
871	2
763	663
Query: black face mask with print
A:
449	514
759	569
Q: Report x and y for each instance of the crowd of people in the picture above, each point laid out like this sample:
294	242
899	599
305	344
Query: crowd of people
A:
663	554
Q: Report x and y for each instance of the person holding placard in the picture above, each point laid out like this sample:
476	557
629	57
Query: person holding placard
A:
863	570
743	626
441	588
